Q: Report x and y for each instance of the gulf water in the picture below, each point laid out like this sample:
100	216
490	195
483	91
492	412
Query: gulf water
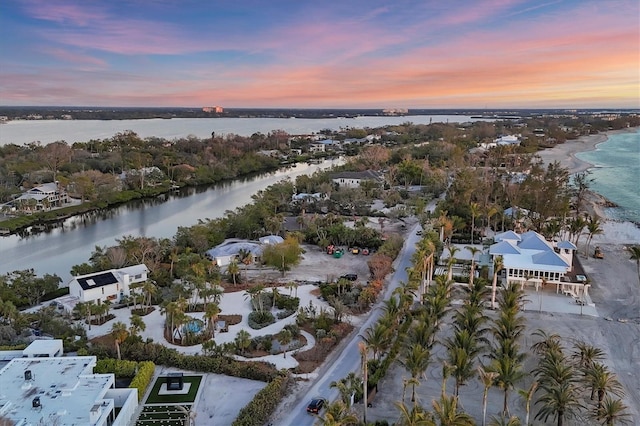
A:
616	174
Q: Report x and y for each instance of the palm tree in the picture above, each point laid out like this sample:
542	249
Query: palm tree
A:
547	343
119	333
255	295
505	421
378	339
173	258
612	411
246	257
408	382
415	416
559	400
233	270
475	209
438	299
498	264
344	390
602	382
486	378
634	251
451	261
509	372
416	361
242	340
446	372
527	394
474	252
149	289
446	411
284	337
337	414
211	313
586	354
289	286
593	228
275	294
462	350
136	325
575	227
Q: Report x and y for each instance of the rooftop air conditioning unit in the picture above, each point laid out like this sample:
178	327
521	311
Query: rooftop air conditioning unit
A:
36	403
28	376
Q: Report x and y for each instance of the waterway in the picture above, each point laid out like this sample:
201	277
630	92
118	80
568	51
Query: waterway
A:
56	250
46	131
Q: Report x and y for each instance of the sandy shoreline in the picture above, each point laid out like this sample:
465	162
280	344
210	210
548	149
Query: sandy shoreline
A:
615	231
565	153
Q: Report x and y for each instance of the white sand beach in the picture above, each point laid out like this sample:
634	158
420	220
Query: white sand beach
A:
615	232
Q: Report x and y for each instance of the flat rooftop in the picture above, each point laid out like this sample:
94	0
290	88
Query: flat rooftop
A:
66	386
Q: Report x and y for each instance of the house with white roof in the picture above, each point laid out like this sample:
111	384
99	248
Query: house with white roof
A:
353	179
46	195
226	252
43	348
529	259
63	391
112	285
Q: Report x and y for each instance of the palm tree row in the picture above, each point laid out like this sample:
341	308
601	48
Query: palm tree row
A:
377	342
564	379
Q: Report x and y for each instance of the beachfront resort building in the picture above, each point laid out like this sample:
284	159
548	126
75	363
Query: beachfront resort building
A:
63	391
529	259
111	285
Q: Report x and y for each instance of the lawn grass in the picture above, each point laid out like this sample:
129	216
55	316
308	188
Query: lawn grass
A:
190	397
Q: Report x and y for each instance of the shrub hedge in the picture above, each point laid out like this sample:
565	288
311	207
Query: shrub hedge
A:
161	355
257	412
141	381
123	368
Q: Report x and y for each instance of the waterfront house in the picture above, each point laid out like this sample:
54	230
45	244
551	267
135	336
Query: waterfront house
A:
111	285
354	179
529	259
43	197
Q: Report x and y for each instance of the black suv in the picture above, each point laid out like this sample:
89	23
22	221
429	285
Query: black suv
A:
316	405
349	277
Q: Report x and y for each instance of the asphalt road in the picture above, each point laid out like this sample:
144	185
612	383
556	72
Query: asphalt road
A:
349	359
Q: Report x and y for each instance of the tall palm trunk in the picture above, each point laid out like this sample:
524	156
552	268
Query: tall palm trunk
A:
505	406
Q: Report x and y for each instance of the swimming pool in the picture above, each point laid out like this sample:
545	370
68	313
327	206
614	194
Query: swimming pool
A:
193	326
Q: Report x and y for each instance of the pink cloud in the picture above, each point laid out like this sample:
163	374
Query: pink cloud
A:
76	14
68	57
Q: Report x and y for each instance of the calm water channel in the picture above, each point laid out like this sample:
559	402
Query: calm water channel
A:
57	250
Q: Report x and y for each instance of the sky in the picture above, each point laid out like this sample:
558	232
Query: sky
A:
321	54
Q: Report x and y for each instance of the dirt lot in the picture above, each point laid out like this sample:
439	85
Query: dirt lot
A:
317	265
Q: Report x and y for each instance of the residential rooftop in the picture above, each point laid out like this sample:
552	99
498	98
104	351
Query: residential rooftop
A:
60	390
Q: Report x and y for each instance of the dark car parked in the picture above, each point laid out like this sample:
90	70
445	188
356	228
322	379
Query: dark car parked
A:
316	405
349	277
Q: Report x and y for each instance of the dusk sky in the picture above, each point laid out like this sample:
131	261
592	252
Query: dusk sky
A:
321	54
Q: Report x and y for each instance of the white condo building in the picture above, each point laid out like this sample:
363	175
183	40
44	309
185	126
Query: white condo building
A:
63	391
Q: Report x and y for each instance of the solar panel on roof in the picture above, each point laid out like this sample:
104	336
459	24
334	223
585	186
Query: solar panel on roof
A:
98	280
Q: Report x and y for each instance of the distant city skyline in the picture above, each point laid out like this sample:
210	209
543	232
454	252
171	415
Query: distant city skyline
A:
300	54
